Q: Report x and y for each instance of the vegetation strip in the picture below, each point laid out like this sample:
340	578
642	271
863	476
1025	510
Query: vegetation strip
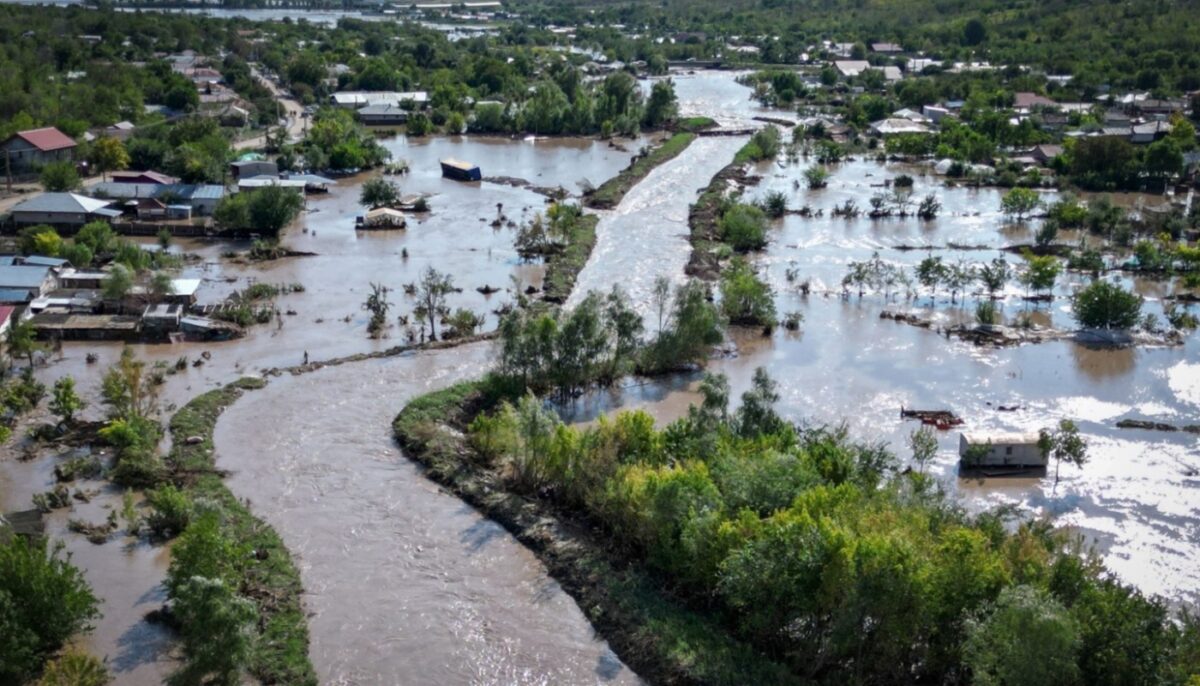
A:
610	193
563	268
656	635
270	579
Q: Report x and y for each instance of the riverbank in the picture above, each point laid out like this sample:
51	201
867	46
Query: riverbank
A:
663	640
609	194
562	269
269	578
704	218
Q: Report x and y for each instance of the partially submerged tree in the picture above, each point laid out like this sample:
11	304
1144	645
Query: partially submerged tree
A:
431	293
1063	443
379	192
377	304
65	402
1104	305
924	445
1020	202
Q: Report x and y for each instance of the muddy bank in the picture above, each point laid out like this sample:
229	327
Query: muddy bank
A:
661	638
704	218
610	193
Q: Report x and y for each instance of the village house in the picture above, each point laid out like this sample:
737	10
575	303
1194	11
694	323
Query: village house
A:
63	210
894	126
142	177
1024	103
28	151
886	48
200	199
380	115
1000	451
359	99
243	169
20	282
851	68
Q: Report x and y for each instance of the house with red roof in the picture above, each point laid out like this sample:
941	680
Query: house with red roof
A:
28	151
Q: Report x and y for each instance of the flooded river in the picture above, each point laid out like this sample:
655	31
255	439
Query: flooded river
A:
405	584
408	585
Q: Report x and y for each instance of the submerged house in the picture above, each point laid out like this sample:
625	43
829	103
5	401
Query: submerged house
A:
1000	451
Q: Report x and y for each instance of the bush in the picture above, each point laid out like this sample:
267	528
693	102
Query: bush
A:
1104	305
171	511
745	298
44	600
744	227
75	669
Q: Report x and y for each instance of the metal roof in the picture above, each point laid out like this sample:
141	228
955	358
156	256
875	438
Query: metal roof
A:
42	261
46	139
15	295
18	276
187	191
61	203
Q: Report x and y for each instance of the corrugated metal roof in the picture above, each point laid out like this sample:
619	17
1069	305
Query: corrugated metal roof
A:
61	203
43	261
18	296
19	276
46	139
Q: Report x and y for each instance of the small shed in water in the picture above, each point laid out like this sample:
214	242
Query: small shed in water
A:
1000	451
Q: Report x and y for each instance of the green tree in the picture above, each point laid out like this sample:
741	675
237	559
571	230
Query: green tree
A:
1027	639
65	402
108	154
233	212
744	227
273	208
161	286
1041	271
745	298
1020	202
36	240
99	237
21	340
432	290
117	284
57	177
378	192
662	107
931	272
923	443
44	600
994	276
1063	443
377	304
216	629
1104	305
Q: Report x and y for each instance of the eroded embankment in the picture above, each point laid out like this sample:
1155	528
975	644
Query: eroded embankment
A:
660	637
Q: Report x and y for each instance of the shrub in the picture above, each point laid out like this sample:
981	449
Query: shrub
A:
44	600
745	298
74	668
171	511
744	227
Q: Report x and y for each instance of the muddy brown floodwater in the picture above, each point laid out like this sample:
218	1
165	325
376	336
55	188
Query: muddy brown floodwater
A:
1137	499
328	322
404	583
